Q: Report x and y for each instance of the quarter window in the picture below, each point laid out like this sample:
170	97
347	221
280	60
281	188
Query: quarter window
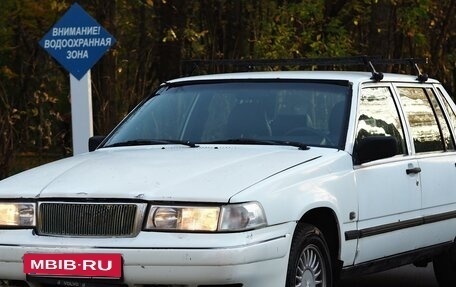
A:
450	111
427	136
378	116
444	126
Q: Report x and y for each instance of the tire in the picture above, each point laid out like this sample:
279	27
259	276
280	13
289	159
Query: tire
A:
309	264
445	268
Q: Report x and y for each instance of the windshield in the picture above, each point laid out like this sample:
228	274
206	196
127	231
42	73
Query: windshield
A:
311	113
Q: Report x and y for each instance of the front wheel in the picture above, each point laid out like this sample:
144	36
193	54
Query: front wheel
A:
445	268
309	264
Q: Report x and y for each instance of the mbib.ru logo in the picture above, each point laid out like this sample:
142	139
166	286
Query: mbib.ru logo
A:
71	265
87	265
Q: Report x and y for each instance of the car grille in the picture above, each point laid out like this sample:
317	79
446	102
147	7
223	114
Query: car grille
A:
90	219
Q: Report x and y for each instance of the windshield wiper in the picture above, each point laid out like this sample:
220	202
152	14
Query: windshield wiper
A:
151	142
300	145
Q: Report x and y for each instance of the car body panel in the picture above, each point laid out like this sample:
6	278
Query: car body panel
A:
379	210
147	256
162	173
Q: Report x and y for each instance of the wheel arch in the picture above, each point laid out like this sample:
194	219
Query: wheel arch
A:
325	219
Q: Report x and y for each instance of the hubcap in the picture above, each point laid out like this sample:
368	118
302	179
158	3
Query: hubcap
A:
311	269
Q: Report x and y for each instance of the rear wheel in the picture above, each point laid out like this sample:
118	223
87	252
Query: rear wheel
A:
309	264
445	268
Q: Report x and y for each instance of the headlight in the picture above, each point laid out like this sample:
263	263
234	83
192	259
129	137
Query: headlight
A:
233	217
183	218
14	214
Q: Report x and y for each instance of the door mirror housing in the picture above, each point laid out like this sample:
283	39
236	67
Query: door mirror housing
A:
95	141
374	148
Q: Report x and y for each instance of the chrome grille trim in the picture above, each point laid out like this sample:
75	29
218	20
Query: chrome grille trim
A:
90	219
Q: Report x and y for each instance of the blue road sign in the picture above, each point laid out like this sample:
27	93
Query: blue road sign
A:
77	41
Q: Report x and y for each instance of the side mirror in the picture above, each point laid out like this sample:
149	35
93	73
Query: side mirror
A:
375	147
95	141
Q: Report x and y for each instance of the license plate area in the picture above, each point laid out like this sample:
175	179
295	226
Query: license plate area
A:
74	282
74	265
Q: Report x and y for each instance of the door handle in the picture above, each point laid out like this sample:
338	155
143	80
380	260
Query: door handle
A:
413	170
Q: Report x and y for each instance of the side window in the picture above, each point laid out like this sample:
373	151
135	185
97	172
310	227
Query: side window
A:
443	123
425	130
378	116
450	111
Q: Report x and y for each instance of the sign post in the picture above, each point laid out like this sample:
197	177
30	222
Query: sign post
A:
77	42
81	105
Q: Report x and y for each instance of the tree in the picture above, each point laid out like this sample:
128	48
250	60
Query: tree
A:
32	97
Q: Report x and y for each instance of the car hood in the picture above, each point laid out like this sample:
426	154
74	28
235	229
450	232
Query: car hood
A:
167	173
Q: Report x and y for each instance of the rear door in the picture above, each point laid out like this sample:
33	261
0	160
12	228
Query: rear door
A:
428	116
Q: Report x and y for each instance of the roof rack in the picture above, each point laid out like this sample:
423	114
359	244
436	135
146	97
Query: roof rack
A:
190	66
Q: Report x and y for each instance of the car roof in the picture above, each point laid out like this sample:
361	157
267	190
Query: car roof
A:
353	77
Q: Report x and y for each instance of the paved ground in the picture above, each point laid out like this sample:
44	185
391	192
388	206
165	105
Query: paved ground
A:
407	276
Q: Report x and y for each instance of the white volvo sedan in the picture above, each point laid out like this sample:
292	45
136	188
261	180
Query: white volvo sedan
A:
261	179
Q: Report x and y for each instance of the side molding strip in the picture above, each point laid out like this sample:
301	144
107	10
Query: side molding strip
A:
371	231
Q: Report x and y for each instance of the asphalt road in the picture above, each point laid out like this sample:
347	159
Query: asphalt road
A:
409	276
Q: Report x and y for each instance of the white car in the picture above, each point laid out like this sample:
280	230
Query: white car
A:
257	179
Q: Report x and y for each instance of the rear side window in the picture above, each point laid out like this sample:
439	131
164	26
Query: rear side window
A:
378	116
443	123
450	111
427	136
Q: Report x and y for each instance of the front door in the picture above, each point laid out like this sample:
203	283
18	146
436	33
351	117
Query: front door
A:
389	190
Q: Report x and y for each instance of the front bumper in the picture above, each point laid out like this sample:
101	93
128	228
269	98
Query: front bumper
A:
253	258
